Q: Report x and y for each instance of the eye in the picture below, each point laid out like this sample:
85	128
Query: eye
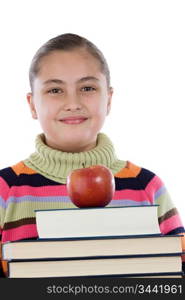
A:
55	91
88	89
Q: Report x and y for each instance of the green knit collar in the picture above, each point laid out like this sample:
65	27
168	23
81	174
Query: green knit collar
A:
56	164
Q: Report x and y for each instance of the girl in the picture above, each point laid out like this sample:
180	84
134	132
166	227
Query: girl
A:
71	97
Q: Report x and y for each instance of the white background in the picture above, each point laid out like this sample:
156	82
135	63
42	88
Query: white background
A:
144	43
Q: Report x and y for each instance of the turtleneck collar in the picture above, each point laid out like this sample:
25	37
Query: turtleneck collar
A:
56	164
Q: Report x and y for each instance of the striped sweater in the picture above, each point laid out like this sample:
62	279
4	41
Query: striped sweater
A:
24	190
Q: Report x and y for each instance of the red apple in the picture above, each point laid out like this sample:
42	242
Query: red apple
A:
91	187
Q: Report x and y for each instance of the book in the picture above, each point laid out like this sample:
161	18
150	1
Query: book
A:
92	247
91	222
122	241
157	275
94	267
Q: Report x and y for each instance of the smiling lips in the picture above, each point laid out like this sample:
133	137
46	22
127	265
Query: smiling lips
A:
73	120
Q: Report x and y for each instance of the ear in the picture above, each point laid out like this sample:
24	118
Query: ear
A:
29	97
110	93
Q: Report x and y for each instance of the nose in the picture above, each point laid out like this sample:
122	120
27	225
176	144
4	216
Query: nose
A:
72	103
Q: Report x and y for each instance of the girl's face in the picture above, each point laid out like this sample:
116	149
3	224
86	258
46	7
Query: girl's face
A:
70	99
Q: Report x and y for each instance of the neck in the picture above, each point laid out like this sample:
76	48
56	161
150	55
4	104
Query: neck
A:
56	164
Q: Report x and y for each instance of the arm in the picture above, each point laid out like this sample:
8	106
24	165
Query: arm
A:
169	219
4	190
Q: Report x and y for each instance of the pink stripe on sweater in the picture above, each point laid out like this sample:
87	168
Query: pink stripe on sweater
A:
135	195
22	232
4	188
61	190
170	224
153	186
56	190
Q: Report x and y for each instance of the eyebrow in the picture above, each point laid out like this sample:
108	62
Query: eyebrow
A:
59	81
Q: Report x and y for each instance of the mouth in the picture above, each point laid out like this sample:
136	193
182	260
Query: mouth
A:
73	120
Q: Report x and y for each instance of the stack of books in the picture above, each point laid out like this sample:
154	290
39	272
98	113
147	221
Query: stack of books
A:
122	241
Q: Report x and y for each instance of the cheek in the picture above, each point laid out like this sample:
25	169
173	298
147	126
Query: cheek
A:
99	116
46	109
98	106
101	110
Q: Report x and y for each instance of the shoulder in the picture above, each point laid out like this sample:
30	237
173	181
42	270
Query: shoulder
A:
140	177
133	170
11	173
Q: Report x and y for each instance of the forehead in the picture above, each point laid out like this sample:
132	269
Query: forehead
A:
74	62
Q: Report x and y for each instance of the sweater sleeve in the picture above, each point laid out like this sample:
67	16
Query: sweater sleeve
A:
4	189
169	218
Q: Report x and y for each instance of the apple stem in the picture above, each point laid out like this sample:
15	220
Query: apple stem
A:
83	165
